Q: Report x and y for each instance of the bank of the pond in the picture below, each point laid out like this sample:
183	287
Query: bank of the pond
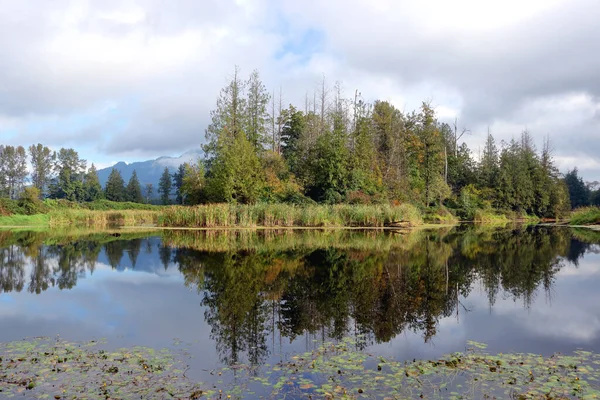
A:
586	216
43	368
104	214
286	215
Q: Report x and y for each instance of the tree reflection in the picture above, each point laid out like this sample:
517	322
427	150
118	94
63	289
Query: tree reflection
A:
323	285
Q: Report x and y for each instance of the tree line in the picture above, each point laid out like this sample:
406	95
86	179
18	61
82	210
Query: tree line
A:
337	150
64	175
334	149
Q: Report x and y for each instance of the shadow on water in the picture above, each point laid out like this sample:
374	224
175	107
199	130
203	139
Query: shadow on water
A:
257	286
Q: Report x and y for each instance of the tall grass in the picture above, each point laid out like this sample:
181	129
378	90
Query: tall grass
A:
101	219
586	216
287	215
489	216
37	220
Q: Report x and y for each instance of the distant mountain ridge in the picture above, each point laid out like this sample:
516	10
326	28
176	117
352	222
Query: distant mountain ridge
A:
149	171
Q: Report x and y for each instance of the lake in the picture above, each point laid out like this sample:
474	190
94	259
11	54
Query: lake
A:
257	298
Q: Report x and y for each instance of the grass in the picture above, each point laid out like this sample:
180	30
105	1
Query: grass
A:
440	215
586	216
286	215
489	217
101	219
24	220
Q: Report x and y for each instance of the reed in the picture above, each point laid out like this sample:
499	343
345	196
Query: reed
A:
586	216
287	215
101	219
488	216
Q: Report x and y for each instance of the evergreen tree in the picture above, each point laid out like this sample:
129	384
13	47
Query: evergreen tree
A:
133	191
42	160
227	120
365	174
70	169
236	174
391	138
234	169
178	182
164	187
257	116
488	166
429	150
578	192
115	187
91	185
291	137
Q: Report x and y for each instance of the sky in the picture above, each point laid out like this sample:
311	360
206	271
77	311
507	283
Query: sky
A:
131	80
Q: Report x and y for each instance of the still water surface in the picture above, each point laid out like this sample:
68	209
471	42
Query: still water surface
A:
261	297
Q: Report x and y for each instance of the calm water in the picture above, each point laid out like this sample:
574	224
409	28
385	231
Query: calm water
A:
257	298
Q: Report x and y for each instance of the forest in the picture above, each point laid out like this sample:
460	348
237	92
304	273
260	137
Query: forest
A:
331	150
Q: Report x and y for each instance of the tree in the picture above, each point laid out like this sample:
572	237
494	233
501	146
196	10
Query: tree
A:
13	169
391	138
133	191
234	169
236	175
42	160
227	120
148	191
578	192
430	149
193	183
257	116
164	186
91	185
291	137
115	187
68	184
178	182
488	166
329	169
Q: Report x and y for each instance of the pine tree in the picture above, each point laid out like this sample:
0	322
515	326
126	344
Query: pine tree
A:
115	187
91	185
164	186
133	191
178	182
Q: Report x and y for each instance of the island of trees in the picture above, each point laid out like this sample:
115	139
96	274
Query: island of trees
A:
330	150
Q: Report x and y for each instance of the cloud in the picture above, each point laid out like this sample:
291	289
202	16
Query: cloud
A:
144	74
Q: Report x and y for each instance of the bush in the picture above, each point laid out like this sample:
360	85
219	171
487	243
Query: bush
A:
30	201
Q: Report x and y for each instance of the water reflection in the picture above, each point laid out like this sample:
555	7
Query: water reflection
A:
260	286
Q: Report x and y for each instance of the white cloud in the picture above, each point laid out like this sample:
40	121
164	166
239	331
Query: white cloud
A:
507	64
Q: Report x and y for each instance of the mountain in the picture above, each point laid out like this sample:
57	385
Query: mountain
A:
151	170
